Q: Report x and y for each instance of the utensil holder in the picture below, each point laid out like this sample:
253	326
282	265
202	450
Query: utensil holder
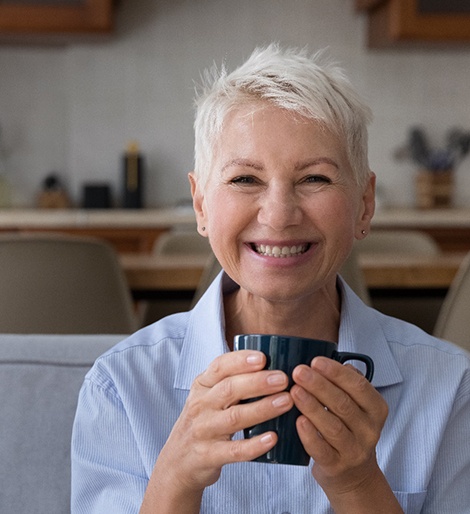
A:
434	189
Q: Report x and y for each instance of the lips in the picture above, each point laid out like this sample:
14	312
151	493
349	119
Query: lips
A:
280	251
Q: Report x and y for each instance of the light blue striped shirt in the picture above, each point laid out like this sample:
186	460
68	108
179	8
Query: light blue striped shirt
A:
135	392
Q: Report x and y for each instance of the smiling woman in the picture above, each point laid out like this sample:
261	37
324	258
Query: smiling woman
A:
281	189
281	180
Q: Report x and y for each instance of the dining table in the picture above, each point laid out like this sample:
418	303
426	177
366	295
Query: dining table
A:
154	274
401	271
149	274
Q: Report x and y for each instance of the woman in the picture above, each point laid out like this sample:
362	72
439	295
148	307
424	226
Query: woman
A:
281	188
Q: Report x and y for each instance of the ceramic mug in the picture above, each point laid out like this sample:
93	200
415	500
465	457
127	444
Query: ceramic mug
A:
285	353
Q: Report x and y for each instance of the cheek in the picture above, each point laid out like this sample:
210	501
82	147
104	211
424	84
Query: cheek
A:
338	212
338	226
226	219
229	209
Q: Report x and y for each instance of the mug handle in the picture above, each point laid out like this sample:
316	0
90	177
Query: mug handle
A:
342	357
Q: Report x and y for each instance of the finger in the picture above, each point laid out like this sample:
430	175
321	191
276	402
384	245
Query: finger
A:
241	450
334	430
321	451
233	389
350	366
238	417
331	443
333	411
229	364
317	392
324	393
355	384
324	389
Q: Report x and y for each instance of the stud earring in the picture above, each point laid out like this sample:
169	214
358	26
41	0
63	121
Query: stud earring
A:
363	232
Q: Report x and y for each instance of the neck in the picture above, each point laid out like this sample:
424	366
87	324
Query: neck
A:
316	317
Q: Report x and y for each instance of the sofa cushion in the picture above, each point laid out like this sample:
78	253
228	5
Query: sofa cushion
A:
40	377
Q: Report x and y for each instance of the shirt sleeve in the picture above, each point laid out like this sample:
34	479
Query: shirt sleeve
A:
449	487
107	472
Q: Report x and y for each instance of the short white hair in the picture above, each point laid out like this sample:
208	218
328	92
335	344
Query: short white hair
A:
290	79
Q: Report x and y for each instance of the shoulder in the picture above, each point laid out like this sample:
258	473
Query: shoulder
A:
404	335
421	355
141	352
401	350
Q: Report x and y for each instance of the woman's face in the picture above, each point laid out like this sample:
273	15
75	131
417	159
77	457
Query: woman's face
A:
281	207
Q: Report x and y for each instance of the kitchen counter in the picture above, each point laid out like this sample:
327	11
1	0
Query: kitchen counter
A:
110	218
137	230
384	218
450	228
129	231
421	218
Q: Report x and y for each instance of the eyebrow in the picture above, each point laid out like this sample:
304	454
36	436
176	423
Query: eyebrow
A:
242	162
315	162
247	163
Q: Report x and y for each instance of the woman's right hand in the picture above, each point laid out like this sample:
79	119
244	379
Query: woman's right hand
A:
201	440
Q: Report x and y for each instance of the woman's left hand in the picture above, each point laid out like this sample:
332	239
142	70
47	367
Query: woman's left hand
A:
342	418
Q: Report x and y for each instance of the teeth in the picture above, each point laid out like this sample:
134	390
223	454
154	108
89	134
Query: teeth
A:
284	251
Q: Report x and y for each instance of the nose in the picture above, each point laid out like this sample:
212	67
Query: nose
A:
279	207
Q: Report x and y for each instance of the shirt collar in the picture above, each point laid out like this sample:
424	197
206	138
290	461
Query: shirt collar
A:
360	331
205	336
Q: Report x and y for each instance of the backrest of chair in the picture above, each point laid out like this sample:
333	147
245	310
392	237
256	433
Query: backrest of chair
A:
354	277
453	321
211	270
62	284
182	242
389	242
175	242
40	377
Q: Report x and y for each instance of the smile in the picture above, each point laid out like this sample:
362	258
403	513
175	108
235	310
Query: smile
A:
280	251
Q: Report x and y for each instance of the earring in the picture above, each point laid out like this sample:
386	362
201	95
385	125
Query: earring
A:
363	232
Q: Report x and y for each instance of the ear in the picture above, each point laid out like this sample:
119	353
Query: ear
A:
198	204
367	208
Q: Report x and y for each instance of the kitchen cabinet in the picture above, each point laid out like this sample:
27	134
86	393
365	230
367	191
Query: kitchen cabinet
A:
416	22
53	21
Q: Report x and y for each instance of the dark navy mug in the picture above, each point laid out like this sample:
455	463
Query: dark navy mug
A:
285	353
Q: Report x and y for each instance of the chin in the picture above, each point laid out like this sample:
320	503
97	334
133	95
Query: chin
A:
279	294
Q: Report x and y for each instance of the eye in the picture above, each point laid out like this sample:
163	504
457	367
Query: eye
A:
243	179
316	179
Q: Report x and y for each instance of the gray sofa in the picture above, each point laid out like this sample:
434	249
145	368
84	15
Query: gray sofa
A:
40	377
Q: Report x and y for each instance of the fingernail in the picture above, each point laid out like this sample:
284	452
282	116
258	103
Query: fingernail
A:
280	401
276	379
254	358
300	393
267	439
320	364
302	373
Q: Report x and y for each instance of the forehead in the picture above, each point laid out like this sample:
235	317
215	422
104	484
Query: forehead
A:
258	111
264	127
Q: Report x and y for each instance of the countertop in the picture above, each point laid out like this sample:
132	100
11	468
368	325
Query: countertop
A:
422	218
168	217
90	218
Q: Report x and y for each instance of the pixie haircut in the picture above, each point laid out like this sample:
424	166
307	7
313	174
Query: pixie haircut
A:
290	79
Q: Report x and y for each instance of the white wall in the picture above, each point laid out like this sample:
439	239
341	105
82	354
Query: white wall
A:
73	108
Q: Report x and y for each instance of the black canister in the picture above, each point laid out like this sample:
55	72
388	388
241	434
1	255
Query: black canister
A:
132	177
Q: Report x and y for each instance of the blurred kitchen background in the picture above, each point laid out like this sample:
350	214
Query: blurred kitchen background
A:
72	108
